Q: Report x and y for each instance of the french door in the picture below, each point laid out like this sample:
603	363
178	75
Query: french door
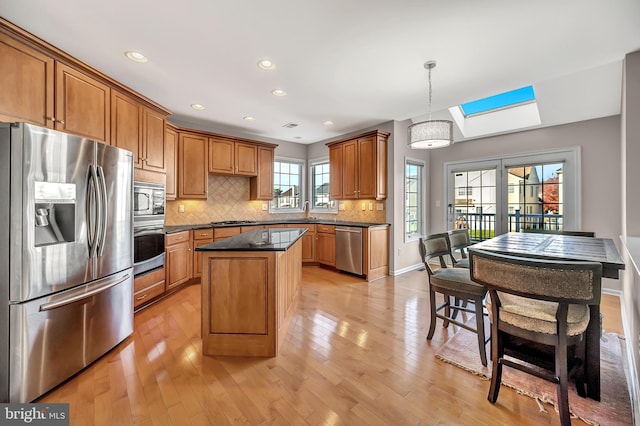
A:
514	193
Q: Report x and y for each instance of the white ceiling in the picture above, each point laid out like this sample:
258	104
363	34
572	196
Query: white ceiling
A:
355	62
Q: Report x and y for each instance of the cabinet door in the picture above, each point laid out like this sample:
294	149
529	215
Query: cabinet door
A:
246	158
350	170
82	104
153	133
367	168
326	248
309	247
178	264
26	84
221	156
126	128
261	186
192	166
335	172
171	153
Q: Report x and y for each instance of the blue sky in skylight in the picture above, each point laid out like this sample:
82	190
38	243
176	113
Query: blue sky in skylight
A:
502	100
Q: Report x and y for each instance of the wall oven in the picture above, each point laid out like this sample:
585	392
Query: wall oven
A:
148	227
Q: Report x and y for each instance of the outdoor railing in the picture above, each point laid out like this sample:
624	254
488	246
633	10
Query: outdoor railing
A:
482	225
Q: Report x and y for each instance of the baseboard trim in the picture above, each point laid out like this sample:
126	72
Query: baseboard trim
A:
407	269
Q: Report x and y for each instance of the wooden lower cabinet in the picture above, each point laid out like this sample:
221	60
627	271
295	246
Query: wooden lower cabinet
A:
326	244
248	299
376	252
148	286
222	233
179	258
200	237
308	242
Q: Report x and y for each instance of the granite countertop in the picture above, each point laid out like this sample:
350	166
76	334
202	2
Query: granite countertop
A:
179	228
273	239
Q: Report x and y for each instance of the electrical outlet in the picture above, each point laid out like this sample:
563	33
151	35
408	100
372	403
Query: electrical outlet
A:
370	206
379	206
364	207
341	207
181	208
265	207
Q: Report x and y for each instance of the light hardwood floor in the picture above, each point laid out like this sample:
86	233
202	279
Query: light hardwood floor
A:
355	354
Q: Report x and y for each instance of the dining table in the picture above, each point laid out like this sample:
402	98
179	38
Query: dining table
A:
570	248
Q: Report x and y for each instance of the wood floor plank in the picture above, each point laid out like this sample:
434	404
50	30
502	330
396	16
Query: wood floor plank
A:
355	353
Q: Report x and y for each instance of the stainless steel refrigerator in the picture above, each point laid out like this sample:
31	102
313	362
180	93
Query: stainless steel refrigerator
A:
66	257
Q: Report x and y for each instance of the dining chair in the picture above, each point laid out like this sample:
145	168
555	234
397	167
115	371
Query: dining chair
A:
559	232
536	304
452	283
459	239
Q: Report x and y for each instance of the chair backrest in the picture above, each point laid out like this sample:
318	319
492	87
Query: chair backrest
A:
558	232
459	240
435	245
557	281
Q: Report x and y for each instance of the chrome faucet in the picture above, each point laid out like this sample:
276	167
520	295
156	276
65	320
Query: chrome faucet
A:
306	207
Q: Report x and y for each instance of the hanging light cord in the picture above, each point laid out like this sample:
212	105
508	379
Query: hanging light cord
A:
430	93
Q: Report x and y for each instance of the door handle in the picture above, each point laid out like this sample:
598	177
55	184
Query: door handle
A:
60	303
103	212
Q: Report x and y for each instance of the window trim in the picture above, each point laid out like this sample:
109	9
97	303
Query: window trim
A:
303	165
421	201
315	162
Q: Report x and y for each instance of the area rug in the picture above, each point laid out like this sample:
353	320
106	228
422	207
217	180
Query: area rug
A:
613	409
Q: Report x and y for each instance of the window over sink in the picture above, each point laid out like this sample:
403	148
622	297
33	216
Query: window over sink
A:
287	185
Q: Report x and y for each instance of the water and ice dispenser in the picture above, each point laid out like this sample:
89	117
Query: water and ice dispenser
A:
55	213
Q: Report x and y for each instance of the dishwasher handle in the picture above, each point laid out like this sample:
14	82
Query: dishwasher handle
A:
350	229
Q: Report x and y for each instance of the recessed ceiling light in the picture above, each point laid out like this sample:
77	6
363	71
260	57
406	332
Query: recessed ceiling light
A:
278	92
266	64
135	56
197	106
249	118
328	123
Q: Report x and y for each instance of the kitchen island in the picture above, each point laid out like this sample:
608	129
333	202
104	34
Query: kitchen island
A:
250	286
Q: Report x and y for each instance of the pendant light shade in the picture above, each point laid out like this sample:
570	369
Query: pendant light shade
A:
431	133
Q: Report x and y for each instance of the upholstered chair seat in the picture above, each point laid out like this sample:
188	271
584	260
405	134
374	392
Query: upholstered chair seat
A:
539	316
456	279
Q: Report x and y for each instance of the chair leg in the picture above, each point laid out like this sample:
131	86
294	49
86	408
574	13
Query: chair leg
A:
497	352
480	331
562	389
447	310
580	374
432	323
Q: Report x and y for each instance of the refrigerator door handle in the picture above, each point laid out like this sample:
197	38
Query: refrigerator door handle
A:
64	302
92	212
103	210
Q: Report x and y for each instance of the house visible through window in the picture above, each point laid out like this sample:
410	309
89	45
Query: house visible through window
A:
287	185
320	202
413	203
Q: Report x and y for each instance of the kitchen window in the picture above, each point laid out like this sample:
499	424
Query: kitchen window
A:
287	185
320	202
413	199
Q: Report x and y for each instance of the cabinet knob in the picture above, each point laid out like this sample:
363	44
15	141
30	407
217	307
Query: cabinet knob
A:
51	118
61	121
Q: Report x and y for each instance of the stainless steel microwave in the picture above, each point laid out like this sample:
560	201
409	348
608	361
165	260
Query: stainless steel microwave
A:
148	200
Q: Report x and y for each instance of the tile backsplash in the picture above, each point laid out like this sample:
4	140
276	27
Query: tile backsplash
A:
229	200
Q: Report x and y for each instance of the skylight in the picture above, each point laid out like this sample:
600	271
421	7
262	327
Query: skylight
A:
496	102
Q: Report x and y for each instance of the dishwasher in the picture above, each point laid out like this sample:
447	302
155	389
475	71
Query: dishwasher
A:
349	249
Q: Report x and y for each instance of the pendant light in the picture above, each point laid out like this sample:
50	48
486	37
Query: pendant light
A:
431	133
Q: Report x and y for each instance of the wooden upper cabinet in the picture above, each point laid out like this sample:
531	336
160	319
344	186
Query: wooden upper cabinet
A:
82	104
221	156
350	176
231	157
126	126
153	144
335	172
192	165
358	167
246	159
26	84
261	186
171	154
